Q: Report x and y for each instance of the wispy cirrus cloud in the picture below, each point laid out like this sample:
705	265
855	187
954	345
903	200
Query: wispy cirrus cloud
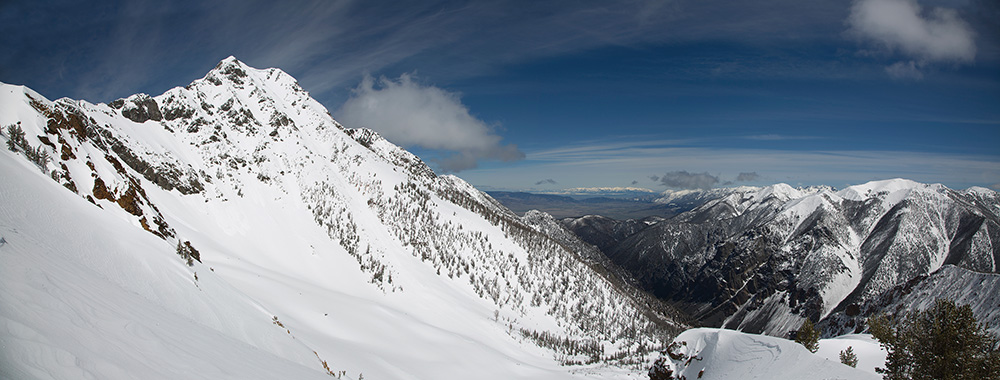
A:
777	137
327	45
621	162
146	45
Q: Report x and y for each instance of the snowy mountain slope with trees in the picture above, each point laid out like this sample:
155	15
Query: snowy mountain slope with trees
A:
353	246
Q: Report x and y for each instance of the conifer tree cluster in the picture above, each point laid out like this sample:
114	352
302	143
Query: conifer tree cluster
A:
943	342
17	142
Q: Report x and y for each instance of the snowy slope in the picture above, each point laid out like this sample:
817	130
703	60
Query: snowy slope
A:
361	253
870	354
86	295
726	354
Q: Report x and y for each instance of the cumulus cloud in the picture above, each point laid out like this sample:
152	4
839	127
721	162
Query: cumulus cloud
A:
747	177
684	180
923	36
635	182
547	181
410	114
654	178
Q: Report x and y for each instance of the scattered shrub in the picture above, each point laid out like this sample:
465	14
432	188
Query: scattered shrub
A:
848	357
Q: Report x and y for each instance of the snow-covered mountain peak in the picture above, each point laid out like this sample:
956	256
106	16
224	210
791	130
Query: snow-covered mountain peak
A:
359	248
233	72
781	191
232	69
894	188
978	190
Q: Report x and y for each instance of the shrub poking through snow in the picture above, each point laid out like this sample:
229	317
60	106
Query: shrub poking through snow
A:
188	253
808	336
848	357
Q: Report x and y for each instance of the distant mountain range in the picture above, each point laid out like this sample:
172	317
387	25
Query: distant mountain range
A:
762	259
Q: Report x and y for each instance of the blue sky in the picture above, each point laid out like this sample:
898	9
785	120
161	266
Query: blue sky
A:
523	95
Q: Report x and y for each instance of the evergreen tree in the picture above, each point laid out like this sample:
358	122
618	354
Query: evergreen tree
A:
848	357
808	336
943	342
15	137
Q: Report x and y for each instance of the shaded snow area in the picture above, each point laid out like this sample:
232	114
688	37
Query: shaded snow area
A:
706	353
313	248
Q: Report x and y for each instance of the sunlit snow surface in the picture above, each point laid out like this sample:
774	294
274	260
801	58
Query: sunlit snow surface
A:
86	295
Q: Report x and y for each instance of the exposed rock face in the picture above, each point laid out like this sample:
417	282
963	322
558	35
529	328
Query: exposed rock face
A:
138	108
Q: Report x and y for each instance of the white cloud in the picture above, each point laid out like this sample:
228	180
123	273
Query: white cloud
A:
923	36
937	35
905	70
410	114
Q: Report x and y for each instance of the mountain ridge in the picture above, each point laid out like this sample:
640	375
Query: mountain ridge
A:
253	181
